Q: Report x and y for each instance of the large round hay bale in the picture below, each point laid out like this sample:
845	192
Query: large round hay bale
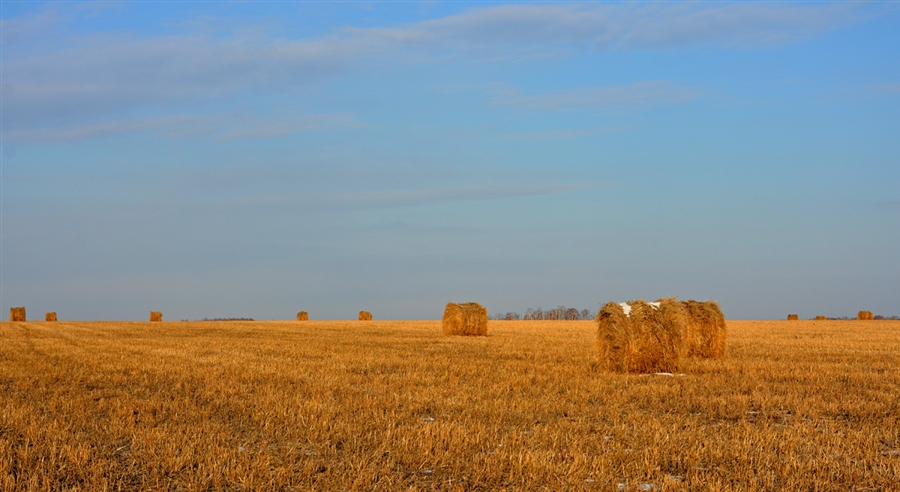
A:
820	318
705	331
865	315
51	316
467	318
156	316
793	317
645	339
302	316
17	313
365	316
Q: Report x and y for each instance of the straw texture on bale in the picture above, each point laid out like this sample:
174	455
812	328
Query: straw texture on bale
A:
156	316
17	314
705	331
51	316
648	339
793	317
820	318
302	316
467	318
865	315
365	316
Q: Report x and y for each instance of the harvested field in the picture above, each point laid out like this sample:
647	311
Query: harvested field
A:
396	405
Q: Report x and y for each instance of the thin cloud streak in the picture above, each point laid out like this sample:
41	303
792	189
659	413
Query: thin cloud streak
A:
381	199
216	128
638	95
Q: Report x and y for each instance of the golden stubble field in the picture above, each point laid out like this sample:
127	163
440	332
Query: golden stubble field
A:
396	405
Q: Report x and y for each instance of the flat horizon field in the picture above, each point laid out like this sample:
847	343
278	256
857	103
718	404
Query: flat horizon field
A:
396	405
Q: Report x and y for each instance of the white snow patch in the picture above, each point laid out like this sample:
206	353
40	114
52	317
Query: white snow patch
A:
654	305
626	308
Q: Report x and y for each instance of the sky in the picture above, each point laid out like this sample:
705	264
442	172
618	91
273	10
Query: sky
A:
255	159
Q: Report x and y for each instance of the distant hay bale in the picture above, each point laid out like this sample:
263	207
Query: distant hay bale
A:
646	339
793	317
467	318
705	330
865	315
365	316
302	316
17	313
156	316
820	318
51	316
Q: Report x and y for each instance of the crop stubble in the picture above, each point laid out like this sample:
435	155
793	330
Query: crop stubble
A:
397	405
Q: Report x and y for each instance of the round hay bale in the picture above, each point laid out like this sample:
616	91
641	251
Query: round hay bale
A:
820	318
302	316
156	316
17	313
647	339
705	330
365	316
51	316
865	315
793	317
467	318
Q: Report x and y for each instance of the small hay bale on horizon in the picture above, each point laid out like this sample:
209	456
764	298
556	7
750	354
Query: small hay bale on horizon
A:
156	316
821	318
793	317
51	316
466	318
640	337
302	316
17	313
865	315
365	316
705	330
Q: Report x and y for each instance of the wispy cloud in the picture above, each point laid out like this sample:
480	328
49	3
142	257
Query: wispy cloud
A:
377	199
524	28
563	134
61	80
638	95
212	127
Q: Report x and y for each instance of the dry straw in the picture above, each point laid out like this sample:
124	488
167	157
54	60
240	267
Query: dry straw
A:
647	339
51	316
17	314
156	316
467	318
705	331
793	317
302	316
820	318
365	316
865	315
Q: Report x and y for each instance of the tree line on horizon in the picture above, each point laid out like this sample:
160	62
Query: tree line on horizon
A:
562	313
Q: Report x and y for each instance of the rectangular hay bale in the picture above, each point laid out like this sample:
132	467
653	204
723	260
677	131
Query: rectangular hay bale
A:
156	316
865	315
793	317
302	316
51	316
365	316
467	318
17	313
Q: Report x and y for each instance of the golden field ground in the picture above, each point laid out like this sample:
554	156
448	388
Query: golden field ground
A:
396	405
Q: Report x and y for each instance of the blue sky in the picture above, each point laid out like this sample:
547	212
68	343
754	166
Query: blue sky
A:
254	159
